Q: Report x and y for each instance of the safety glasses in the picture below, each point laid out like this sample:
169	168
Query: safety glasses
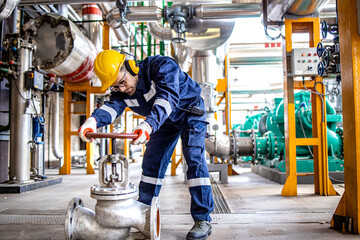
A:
122	83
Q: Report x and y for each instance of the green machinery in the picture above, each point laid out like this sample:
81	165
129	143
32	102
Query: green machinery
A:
267	137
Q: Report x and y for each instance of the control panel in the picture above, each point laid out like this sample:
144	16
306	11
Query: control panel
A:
34	80
303	62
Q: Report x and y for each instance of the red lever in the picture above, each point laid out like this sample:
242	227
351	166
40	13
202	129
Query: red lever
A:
111	135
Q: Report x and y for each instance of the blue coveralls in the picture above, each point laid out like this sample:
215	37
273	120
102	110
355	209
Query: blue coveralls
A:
162	89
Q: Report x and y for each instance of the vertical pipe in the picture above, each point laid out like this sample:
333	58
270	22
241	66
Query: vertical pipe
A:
142	41
148	44
154	46
135	42
55	125
162	44
20	125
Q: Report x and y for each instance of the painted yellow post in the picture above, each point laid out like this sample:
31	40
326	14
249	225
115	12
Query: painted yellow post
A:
346	216
322	183
66	167
106	36
290	187
89	146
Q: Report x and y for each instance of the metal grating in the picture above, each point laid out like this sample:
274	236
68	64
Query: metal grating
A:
32	219
220	205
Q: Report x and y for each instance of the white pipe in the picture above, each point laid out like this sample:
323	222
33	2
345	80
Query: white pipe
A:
55	125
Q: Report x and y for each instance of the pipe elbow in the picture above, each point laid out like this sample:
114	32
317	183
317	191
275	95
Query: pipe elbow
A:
158	31
218	147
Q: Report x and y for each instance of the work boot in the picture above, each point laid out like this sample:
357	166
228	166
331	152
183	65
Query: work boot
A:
199	231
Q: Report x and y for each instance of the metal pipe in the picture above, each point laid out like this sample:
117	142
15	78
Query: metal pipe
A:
277	9
64	51
218	146
116	210
224	11
122	33
73	13
20	124
7	7
93	30
135	14
55	125
158	31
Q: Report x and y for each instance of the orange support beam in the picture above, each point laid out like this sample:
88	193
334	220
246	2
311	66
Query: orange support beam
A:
322	183
68	89
346	216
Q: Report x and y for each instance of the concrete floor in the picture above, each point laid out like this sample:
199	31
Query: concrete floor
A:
258	211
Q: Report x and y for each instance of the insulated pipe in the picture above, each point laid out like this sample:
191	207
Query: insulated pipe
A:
135	14
159	32
7	7
55	125
223	11
20	124
277	9
122	33
93	30
63	48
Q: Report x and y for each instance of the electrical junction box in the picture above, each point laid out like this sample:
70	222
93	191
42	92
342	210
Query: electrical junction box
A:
302	62
34	80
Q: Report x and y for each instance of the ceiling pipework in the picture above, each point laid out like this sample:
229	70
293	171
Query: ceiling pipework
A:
277	9
7	7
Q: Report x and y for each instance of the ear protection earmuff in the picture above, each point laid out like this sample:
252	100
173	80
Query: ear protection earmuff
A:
132	67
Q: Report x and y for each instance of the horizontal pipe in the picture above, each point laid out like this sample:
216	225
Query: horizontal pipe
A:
135	14
223	11
111	135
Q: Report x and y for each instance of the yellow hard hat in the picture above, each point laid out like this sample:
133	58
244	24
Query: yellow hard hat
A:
107	65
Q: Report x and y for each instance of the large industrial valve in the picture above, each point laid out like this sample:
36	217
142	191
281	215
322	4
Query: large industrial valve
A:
116	210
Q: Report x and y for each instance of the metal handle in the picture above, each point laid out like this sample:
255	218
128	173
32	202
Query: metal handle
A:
111	135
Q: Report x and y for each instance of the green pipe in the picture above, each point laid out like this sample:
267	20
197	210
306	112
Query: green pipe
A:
148	44
154	46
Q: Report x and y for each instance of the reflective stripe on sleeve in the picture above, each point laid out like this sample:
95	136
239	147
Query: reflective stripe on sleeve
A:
151	180
110	110
165	104
195	182
131	102
149	95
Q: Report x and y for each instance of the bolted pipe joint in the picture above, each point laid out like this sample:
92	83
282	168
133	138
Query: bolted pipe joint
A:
116	210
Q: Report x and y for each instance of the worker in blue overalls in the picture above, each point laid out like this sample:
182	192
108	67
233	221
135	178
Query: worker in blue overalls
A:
170	100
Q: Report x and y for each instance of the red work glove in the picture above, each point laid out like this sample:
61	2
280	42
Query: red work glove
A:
88	126
143	130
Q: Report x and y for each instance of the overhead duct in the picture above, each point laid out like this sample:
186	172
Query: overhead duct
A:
62	48
276	9
7	7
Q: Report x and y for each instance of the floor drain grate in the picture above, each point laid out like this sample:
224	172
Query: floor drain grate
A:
220	205
32	219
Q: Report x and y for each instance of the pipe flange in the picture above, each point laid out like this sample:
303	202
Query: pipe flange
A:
233	146
116	193
253	138
155	220
73	205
